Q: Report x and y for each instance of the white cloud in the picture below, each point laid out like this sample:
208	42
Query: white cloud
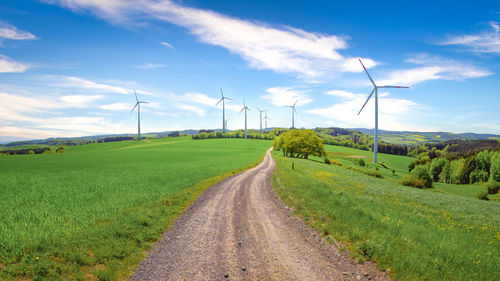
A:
8	31
433	68
485	42
284	49
394	114
149	66
200	99
80	100
77	82
166	44
283	96
116	106
193	109
7	65
353	64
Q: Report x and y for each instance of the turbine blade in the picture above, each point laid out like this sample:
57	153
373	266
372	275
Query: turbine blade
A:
219	101
143	102
136	99
221	93
134	108
404	87
367	73
242	109
373	91
258	109
228	98
295	103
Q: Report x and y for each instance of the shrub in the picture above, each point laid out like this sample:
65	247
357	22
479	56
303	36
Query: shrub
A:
361	162
409	180
483	196
31	152
420	172
336	162
327	161
493	187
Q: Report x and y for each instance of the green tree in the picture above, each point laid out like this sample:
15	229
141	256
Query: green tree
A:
420	172
495	168
436	167
300	143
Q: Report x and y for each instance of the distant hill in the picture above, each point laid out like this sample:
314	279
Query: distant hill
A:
409	137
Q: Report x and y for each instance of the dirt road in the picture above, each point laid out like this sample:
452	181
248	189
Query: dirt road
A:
240	230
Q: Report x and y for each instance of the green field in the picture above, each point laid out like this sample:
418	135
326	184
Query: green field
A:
94	209
418	234
349	157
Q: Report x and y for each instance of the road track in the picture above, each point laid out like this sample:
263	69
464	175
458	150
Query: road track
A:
240	230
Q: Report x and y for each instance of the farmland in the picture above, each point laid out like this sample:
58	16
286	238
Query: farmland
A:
91	211
418	234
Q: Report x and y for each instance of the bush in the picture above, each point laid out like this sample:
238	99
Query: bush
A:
483	196
493	187
420	172
361	162
336	162
409	180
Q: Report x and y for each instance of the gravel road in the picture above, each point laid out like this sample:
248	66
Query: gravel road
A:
240	230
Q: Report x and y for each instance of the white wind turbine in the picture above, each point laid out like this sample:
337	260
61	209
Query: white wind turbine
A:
375	90
223	109
245	107
260	116
138	105
266	118
293	112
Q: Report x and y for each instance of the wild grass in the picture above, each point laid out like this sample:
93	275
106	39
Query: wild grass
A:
92	211
419	235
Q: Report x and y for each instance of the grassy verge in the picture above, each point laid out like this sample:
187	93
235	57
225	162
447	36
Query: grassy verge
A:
419	235
107	240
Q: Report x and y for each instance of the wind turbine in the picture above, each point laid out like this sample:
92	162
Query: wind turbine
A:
260	116
226	122
138	105
375	90
266	118
293	112
223	109
245	107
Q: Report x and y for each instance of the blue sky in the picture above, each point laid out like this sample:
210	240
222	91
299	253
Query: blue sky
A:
69	67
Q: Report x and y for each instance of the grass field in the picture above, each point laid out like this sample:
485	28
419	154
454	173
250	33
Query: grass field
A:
418	234
348	157
92	211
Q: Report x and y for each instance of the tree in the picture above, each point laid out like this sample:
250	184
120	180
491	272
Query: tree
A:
436	167
300	143
495	168
420	172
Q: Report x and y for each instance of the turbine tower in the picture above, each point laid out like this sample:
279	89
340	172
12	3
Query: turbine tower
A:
293	112
266	118
260	116
225	123
138	105
245	107
375	90
223	110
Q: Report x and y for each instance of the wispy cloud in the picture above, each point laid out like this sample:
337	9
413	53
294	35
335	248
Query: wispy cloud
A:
149	66
283	96
116	106
433	68
7	65
80	100
484	42
282	49
8	31
77	82
394	114
191	108
166	44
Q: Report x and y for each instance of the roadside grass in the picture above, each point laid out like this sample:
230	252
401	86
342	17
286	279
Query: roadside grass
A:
389	162
419	235
92	212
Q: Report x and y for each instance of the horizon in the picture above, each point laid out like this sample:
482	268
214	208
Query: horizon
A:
68	68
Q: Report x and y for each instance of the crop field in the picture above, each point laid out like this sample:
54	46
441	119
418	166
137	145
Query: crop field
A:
92	211
417	234
349	157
